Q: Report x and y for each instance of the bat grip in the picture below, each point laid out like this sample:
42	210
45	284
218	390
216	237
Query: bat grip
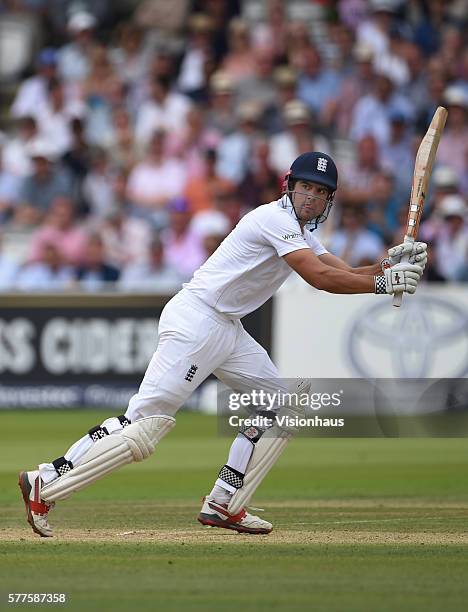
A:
398	297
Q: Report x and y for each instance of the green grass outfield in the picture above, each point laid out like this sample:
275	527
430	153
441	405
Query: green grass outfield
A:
360	525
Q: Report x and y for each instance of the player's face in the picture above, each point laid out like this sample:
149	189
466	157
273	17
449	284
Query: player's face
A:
310	200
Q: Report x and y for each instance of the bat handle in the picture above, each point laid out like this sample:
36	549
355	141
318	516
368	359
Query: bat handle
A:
398	297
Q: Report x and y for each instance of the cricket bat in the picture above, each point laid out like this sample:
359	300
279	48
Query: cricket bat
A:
421	177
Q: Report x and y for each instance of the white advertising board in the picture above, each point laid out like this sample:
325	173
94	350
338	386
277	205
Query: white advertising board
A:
321	335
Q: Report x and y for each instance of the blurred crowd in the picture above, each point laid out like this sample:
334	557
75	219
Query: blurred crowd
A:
138	137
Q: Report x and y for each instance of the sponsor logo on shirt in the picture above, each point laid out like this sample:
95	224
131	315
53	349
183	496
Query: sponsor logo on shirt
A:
292	236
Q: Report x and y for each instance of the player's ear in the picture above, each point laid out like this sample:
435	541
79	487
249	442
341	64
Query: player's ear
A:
285	186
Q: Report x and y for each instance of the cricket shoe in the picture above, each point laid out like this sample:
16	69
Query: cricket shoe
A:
215	514
37	510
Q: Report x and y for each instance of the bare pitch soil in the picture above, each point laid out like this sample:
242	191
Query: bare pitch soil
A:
206	535
314	522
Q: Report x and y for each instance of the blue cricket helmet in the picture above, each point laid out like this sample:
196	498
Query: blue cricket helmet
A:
317	167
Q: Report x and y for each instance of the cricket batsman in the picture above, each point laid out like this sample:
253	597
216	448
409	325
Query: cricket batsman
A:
200	333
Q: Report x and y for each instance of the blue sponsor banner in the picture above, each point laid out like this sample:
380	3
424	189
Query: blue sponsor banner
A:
59	351
65	396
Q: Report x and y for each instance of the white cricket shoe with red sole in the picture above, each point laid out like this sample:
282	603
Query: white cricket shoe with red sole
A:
37	510
215	514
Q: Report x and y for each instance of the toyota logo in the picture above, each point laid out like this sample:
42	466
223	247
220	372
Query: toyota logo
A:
428	337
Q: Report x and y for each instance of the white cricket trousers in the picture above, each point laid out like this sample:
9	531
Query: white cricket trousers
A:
195	341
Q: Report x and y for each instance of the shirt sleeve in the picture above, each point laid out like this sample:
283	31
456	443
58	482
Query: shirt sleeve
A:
315	244
283	233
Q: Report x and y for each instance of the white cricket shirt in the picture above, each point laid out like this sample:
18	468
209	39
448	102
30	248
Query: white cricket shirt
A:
248	267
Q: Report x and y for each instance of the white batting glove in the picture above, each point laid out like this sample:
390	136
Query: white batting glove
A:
417	252
400	277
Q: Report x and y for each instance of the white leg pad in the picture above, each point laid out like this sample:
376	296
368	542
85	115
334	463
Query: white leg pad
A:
265	454
133	443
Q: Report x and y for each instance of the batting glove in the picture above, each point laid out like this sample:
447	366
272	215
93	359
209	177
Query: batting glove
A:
417	252
400	277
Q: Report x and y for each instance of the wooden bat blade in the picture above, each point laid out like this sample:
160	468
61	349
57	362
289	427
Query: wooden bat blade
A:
423	169
421	176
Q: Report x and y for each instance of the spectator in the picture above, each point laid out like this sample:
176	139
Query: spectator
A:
357	177
95	273
337	112
431	274
352	241
126	238
317	84
393	62
55	116
416	89
298	44
182	246
384	205
190	143
155	14
99	83
78	158
9	187
228	202
97	185
61	229
161	65
152	276
74	60
103	91
49	273
33	92
259	87
121	146
165	110
221	115
451	49
340	49
371	114
262	182
444	182
222	13
453	146
212	227
285	79
375	30
427	30
197	57
396	155
47	181
16	157
436	86
272	33
296	139
353	12
130	57
462	72
155	181
201	190
239	60
452	238
119	193
235	150
464	179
